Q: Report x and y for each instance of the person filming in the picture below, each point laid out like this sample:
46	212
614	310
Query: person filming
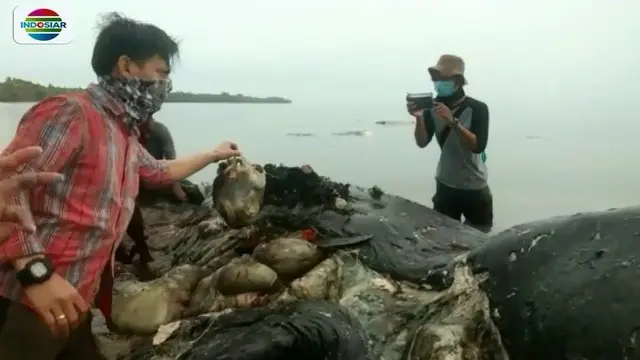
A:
460	125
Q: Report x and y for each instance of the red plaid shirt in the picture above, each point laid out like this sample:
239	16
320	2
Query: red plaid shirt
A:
80	221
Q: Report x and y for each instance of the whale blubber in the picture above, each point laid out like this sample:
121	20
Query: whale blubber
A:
424	287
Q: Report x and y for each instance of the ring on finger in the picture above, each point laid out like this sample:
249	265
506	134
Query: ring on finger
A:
61	318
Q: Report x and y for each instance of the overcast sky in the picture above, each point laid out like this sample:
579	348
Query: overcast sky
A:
330	49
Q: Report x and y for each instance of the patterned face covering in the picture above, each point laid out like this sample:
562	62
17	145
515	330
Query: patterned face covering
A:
141	97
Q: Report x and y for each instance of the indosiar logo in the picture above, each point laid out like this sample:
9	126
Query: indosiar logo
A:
41	26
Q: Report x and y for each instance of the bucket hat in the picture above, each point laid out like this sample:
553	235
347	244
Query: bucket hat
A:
448	66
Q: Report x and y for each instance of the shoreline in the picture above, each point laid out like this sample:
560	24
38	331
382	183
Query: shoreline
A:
182	102
16	90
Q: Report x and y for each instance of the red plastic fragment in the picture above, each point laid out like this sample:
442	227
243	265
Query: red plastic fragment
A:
309	234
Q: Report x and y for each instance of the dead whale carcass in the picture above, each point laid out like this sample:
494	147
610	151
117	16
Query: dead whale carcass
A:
323	282
398	321
403	315
238	191
566	287
315	330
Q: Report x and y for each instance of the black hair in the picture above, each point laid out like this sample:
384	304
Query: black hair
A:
139	41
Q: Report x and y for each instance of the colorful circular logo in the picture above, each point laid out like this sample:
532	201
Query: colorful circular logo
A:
43	24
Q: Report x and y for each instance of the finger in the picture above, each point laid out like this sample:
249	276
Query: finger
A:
18	158
60	321
71	313
82	316
233	146
80	304
26	181
18	215
50	320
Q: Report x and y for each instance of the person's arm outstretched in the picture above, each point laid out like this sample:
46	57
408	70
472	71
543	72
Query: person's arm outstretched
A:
162	173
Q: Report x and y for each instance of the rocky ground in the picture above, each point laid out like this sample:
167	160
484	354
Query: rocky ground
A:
419	286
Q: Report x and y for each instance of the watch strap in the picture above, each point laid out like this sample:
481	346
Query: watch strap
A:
25	275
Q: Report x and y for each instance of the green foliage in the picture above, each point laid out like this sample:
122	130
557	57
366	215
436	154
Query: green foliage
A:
18	90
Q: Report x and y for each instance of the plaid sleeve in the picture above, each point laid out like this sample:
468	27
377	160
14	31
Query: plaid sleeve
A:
152	172
55	124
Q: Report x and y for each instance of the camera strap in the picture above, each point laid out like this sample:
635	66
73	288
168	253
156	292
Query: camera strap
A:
445	132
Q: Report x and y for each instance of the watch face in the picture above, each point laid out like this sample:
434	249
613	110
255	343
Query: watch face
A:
38	270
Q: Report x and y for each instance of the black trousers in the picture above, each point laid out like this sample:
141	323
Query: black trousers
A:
25	336
135	230
475	205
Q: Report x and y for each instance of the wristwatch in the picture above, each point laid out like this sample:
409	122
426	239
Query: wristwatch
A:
35	272
456	123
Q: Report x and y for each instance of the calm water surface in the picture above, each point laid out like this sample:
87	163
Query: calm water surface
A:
539	166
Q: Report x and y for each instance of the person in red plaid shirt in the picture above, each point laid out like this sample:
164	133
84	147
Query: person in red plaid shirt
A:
49	278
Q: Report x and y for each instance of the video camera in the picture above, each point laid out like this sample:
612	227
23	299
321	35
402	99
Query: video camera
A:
419	101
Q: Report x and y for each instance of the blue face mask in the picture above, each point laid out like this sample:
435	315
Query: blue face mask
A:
444	88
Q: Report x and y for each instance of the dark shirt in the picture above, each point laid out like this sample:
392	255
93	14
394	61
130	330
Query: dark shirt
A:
479	124
459	167
157	139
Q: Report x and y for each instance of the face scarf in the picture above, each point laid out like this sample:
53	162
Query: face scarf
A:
141	98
